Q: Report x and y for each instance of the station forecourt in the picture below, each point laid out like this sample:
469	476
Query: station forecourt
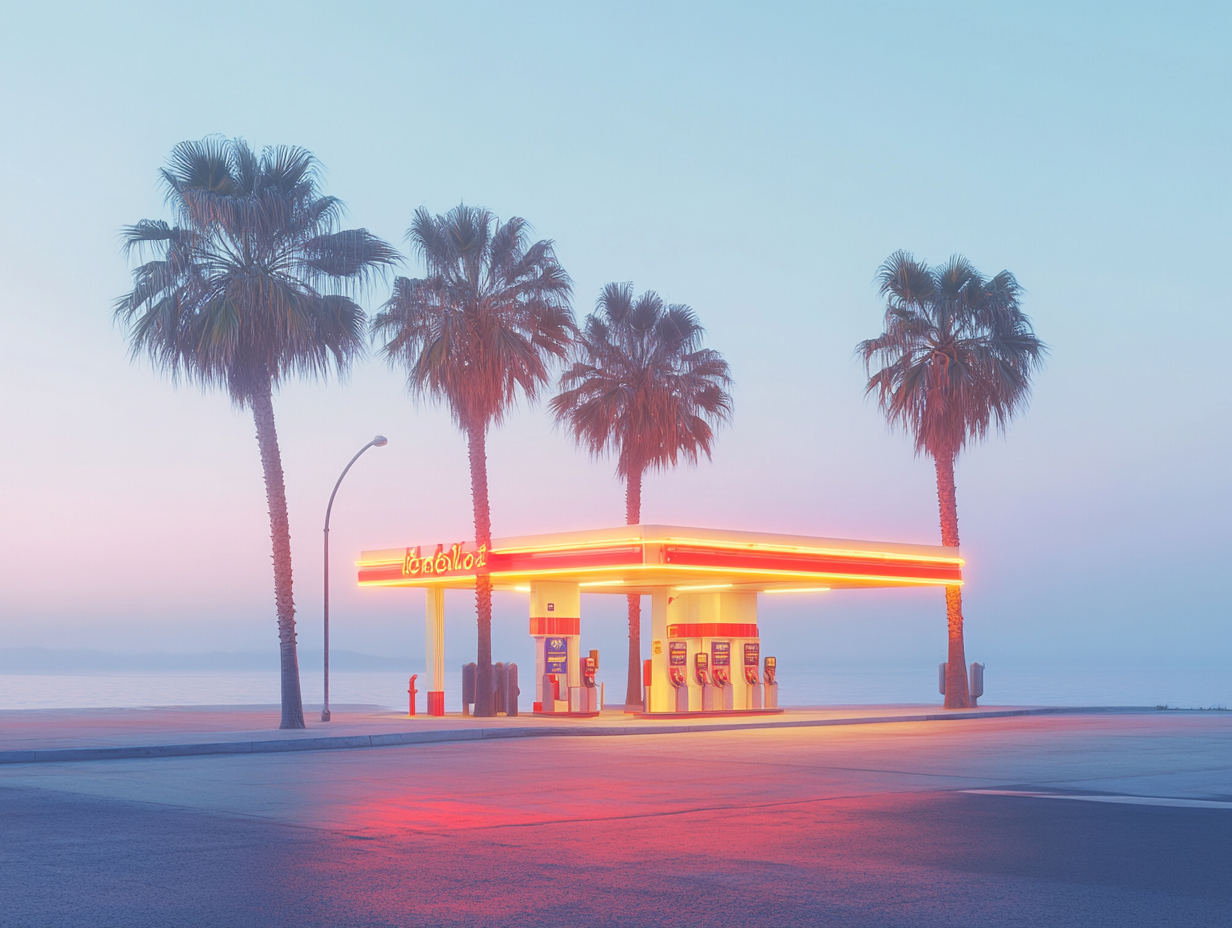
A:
703	586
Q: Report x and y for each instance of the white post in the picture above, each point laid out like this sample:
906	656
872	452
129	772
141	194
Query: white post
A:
434	652
555	612
659	684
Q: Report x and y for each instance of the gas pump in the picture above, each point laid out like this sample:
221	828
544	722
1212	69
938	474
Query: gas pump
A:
750	675
551	693
701	668
588	694
714	632
556	628
555	662
771	687
678	673
720	656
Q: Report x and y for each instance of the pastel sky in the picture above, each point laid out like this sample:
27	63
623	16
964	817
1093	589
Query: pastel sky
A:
755	161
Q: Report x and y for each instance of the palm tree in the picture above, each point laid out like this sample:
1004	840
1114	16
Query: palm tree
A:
251	286
644	388
485	322
955	359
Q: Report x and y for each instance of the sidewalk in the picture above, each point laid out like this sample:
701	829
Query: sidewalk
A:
61	735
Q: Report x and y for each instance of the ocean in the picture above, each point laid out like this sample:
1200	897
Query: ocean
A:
1040	685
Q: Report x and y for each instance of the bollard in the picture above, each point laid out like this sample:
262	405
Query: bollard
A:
468	687
941	679
647	676
511	690
551	691
975	682
411	691
498	688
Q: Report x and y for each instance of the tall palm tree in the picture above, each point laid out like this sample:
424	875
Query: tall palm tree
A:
642	387
955	359
252	284
487	320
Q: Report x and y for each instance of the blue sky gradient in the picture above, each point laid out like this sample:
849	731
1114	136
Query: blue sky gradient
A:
757	162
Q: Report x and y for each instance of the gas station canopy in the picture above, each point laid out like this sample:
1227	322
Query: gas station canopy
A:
646	558
703	586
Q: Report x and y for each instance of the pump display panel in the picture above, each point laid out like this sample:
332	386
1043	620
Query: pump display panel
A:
751	656
770	668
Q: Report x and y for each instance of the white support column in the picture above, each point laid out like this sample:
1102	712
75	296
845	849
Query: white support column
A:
660	697
555	613
739	608
434	652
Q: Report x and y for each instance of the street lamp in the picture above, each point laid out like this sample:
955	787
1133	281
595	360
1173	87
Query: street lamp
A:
379	442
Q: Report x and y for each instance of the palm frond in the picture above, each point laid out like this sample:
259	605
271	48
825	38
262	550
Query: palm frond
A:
956	356
641	387
255	283
352	254
486	322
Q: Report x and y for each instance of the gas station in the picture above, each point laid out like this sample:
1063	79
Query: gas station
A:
703	586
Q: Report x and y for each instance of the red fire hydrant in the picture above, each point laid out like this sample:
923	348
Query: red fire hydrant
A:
412	691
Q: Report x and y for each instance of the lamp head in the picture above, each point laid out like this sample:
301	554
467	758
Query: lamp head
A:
380	441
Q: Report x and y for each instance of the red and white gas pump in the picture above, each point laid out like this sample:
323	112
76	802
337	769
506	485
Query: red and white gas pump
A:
717	626
701	669
771	686
754	689
585	698
678	674
553	689
555	625
720	662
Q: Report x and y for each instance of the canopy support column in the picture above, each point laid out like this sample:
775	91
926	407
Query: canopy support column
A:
659	685
434	653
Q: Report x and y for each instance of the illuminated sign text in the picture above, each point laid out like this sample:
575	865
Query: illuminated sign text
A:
455	560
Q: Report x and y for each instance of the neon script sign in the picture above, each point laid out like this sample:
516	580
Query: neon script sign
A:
455	560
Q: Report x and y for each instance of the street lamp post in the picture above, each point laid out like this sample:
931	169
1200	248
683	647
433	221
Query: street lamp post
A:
379	442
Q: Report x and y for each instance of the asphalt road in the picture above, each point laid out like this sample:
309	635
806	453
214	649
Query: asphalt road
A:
869	826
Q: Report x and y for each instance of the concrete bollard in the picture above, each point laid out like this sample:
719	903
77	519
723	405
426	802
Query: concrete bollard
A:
551	691
511	690
975	682
498	687
469	674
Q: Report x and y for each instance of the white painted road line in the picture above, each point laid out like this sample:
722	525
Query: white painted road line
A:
1125	800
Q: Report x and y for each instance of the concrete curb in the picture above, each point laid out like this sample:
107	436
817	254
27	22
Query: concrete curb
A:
398	739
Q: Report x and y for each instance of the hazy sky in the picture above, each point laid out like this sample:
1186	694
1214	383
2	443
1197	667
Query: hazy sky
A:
755	161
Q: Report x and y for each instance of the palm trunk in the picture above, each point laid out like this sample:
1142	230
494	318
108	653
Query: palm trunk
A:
280	536
476	436
956	693
633	515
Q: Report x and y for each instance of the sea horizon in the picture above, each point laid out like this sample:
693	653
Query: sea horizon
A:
364	679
